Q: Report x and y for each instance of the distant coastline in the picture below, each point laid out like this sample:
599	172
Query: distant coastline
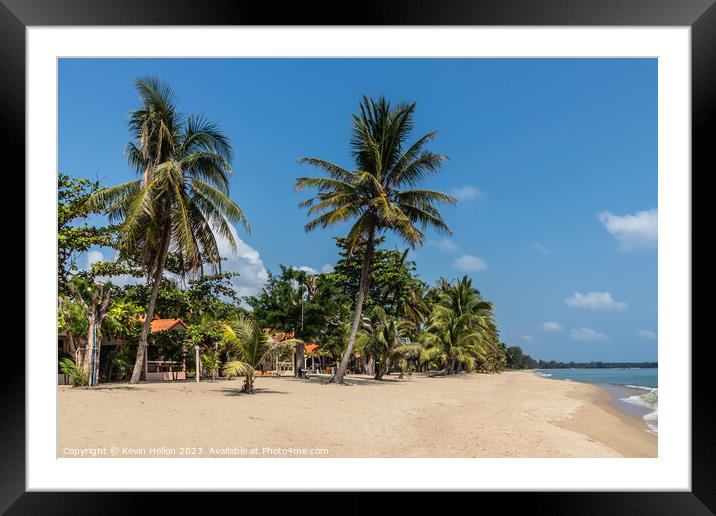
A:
518	359
542	364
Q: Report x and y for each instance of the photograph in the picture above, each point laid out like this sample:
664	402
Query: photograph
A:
423	247
357	257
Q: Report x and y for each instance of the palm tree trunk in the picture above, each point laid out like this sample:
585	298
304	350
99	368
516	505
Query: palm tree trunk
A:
299	361
380	371
158	274
449	366
362	289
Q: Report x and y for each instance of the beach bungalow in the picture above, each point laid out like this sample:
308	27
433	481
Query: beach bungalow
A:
156	366
315	360
286	361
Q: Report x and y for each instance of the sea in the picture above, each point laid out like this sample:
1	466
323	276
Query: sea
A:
635	390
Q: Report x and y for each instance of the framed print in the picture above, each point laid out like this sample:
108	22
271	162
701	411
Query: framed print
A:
429	248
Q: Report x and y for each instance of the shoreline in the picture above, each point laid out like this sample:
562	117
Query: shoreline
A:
599	412
513	414
620	396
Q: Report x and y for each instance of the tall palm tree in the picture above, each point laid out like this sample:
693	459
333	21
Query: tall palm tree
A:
373	195
181	202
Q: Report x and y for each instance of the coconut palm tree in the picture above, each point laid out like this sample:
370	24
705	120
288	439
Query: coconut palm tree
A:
181	202
415	308
379	195
247	346
385	339
461	326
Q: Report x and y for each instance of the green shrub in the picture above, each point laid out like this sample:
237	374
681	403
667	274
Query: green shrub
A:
76	374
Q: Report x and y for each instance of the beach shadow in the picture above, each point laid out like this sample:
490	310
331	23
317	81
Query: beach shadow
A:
358	381
454	375
116	387
257	390
323	379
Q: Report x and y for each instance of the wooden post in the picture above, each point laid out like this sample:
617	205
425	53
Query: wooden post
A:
197	364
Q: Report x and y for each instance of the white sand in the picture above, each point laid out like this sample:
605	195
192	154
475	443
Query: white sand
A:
514	414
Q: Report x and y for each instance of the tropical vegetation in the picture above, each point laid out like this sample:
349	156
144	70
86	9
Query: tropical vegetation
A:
379	195
371	313
181	201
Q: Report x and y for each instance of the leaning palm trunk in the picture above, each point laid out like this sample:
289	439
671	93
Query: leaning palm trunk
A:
362	289
157	280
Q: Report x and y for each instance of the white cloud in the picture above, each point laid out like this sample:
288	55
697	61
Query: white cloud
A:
120	281
325	268
445	244
94	257
552	326
540	248
467	192
595	301
247	262
639	229
587	334
527	338
470	263
647	334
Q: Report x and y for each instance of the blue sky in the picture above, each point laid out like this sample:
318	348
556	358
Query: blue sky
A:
555	162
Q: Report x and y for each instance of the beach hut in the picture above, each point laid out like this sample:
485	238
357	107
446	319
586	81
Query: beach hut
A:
314	362
282	363
156	368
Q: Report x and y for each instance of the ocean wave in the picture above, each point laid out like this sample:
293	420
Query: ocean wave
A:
648	400
544	375
640	387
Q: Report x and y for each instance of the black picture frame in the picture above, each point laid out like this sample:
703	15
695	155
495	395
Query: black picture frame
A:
700	15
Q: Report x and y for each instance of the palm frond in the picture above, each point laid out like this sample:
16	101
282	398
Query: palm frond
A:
333	170
220	202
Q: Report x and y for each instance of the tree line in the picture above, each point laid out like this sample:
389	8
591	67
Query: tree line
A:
372	313
517	359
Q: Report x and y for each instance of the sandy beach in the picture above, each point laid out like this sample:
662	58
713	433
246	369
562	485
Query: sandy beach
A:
514	414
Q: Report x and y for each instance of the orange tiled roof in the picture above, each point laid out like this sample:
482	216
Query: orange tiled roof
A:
282	336
167	324
164	324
